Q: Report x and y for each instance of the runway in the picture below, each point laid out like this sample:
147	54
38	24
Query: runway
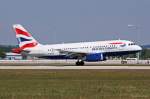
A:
78	67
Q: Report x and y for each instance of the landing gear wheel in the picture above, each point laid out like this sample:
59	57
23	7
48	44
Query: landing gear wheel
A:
80	63
77	63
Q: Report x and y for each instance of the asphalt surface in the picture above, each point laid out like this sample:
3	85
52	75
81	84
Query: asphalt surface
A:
77	67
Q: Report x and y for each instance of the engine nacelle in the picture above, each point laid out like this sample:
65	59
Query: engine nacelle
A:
95	57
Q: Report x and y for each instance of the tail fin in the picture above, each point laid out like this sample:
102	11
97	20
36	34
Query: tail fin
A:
24	38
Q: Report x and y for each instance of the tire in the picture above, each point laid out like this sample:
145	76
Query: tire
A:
82	63
79	63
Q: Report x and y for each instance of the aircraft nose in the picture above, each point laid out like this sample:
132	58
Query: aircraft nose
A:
139	48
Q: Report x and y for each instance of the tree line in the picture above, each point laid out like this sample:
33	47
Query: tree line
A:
4	49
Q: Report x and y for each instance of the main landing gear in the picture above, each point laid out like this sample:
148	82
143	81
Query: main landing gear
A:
79	63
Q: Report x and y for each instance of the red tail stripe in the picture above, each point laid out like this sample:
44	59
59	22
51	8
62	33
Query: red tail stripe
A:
117	43
18	31
29	45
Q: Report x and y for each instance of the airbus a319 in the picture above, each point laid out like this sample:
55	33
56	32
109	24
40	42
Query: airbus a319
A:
82	51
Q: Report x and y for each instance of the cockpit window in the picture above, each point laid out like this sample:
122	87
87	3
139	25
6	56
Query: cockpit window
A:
130	44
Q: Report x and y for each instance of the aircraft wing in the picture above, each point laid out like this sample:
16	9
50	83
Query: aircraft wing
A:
72	54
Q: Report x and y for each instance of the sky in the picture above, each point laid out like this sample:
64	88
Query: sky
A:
61	21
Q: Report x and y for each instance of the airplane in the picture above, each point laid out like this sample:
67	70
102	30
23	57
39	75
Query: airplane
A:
81	51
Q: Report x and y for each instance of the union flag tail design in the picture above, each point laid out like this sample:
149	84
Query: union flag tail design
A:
24	38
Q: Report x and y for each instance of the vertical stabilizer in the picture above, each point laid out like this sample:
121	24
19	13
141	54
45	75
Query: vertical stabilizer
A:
24	38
